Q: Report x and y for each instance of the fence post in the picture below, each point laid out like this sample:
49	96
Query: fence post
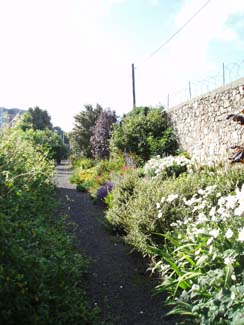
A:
223	68
190	89
168	101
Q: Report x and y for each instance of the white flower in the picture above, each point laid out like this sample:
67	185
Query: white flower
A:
210	189
214	233
157	165
233	277
201	218
222	201
187	202
192	201
160	214
210	240
231	201
212	211
240	194
201	192
221	210
239	210
199	231
229	233
195	287
162	200
199	207
229	260
158	205
225	216
241	235
172	197
173	224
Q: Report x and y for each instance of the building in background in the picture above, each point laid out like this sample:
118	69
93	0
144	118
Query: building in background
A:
9	115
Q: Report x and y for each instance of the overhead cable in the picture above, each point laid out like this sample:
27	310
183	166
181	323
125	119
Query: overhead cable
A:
178	31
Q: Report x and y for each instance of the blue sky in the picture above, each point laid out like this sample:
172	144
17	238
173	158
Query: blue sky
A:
62	54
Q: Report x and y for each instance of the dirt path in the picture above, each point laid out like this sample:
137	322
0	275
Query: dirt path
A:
117	280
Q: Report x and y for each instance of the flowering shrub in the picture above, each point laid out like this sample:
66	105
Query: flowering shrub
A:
91	175
202	259
103	191
168	166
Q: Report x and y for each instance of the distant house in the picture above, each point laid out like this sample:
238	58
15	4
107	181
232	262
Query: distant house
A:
9	115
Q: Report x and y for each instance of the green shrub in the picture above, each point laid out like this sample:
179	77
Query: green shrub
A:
90	175
201	259
41	274
119	201
144	132
134	200
192	228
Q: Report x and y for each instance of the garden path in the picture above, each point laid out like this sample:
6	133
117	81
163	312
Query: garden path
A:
117	279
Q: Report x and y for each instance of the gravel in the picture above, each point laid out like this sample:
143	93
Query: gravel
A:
117	280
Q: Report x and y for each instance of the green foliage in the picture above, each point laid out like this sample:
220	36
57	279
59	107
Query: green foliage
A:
144	132
90	174
185	225
82	131
36	119
120	200
41	274
48	141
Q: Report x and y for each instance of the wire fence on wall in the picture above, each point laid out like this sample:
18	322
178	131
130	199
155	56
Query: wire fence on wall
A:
226	74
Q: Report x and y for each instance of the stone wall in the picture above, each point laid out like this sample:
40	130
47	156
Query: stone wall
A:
201	125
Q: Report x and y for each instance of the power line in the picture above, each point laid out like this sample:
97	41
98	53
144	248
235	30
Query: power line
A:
178	31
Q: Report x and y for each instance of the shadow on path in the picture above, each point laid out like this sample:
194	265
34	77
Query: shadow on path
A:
117	280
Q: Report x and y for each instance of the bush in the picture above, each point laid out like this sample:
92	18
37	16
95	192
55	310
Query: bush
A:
103	191
48	141
41	274
168	166
192	227
122	193
90	175
144	132
202	258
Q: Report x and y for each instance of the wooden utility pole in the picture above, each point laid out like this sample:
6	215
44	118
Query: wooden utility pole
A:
133	86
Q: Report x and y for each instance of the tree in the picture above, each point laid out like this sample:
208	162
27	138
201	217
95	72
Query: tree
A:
37	119
82	131
101	134
48	141
145	132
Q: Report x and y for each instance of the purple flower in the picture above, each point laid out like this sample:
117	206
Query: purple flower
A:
103	191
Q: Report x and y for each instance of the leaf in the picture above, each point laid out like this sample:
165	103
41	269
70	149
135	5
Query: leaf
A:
166	258
186	257
181	308
170	238
229	271
183	281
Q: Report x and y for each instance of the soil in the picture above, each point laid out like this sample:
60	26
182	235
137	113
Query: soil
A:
117	280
